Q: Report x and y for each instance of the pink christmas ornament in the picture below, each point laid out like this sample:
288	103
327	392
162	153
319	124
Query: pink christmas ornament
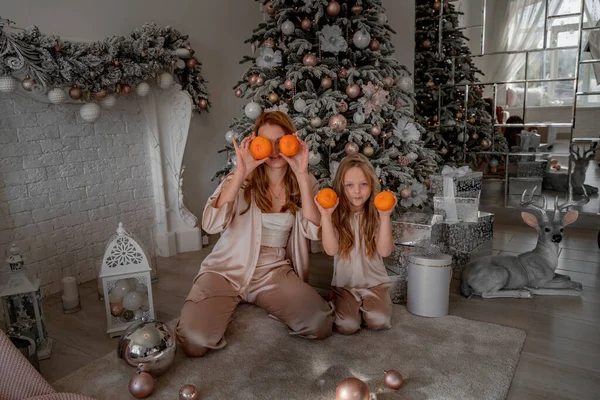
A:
333	8
353	91
310	60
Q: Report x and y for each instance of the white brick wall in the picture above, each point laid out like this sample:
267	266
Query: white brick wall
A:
65	184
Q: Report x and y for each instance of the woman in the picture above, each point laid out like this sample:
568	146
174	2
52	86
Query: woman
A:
265	213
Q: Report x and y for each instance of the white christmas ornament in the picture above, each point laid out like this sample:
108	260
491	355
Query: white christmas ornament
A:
133	301
316	122
300	105
314	158
382	19
8	84
412	156
108	102
180	64
253	110
358	117
142	89
405	83
182	53
229	136
287	28
361	39
165	80
90	112
57	96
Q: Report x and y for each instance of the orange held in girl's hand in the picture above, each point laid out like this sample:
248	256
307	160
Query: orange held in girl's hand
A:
384	201
327	198
288	145
260	148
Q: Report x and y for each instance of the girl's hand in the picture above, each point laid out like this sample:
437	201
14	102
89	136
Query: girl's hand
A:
326	212
299	162
389	212
245	163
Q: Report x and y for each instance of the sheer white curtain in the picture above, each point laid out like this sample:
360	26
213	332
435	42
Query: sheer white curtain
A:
522	29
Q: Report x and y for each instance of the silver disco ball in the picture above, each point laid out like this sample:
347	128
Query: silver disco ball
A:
148	345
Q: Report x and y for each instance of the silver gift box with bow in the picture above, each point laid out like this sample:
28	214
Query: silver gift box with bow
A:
466	182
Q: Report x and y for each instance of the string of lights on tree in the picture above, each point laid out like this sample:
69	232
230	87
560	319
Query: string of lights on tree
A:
330	66
97	73
457	129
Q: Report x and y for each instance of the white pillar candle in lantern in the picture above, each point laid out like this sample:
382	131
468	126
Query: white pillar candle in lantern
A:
22	304
126	282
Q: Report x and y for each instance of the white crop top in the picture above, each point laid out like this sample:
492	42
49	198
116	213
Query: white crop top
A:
276	228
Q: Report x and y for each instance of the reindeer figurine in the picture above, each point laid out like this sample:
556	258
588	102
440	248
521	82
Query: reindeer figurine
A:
532	272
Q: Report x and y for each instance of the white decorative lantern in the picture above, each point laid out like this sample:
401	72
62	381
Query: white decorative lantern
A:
57	96
90	112
165	80
142	89
22	304
8	84
108	102
126	283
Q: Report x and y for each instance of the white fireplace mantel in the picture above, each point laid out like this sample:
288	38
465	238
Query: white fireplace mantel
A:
168	115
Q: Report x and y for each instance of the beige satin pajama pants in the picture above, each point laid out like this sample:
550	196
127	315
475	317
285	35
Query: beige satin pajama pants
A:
278	290
353	306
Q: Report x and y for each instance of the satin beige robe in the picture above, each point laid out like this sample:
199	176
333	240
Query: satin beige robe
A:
235	255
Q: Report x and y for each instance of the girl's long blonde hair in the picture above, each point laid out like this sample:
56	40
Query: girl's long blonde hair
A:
258	182
341	215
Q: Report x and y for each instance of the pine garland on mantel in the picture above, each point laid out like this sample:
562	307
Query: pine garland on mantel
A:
97	71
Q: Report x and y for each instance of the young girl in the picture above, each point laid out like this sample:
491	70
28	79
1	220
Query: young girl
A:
265	213
358	235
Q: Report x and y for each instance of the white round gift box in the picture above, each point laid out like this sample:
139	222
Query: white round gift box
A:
429	284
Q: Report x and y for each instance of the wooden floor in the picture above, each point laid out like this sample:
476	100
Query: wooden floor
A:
560	359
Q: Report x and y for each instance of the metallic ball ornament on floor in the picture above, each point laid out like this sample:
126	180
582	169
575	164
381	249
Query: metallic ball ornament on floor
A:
148	345
188	392
141	385
352	389
393	379
333	8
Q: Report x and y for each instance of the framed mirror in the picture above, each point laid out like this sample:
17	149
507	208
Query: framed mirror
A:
541	65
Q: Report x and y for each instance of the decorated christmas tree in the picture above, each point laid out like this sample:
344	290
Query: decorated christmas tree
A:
330	65
457	129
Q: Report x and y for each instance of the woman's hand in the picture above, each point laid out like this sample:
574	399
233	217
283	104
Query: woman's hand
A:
299	162
326	212
245	163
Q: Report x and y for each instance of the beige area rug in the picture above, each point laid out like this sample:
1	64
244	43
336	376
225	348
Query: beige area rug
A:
441	358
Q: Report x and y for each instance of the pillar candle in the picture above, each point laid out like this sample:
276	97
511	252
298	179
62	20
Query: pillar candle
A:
69	285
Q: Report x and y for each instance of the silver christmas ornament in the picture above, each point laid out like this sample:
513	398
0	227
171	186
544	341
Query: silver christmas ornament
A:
253	110
108	102
287	28
57	96
300	105
405	83
182	53
165	80
90	112
180	64
142	89
229	136
314	158
361	39
382	19
316	122
8	84
358	117
149	346
28	84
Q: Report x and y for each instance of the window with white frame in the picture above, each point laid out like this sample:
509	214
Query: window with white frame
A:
556	55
